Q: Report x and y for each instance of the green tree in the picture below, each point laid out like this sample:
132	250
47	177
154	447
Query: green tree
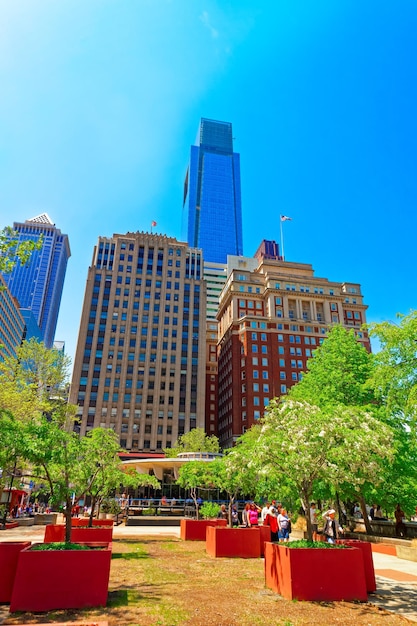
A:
301	444
12	250
338	375
100	468
33	380
195	440
194	475
394	378
233	475
11	452
338	372
394	382
52	449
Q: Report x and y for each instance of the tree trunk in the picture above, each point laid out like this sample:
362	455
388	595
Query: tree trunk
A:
365	514
305	500
68	507
93	506
229	513
193	494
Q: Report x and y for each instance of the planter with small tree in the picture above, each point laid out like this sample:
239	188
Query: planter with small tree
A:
195	530
73	578
316	572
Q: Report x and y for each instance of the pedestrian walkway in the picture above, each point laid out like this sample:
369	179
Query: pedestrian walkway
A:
396	581
396	578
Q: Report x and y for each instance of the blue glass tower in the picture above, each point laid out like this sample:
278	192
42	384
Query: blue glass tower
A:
38	285
212	207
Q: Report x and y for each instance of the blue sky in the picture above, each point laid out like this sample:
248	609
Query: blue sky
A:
101	99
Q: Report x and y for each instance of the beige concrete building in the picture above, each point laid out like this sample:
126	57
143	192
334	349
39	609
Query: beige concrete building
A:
141	355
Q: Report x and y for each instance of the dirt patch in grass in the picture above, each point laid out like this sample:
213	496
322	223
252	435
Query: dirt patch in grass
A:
168	582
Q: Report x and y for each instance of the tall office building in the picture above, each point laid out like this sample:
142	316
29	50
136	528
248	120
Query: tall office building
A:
140	361
12	323
212	209
38	284
271	317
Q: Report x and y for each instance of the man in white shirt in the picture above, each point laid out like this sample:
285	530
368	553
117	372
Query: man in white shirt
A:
314	520
265	511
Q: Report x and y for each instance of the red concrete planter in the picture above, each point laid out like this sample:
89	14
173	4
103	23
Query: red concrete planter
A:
315	574
83	521
61	579
195	530
368	561
9	553
244	543
265	536
56	532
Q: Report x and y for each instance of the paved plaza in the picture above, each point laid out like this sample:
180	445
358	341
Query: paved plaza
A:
396	578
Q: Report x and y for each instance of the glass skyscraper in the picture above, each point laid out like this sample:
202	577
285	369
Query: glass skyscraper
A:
212	208
38	284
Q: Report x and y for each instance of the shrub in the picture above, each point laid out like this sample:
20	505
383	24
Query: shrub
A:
304	543
150	511
115	507
209	510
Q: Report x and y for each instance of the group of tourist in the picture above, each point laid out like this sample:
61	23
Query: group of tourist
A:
29	509
274	515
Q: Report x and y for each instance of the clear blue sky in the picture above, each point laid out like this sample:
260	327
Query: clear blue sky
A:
101	99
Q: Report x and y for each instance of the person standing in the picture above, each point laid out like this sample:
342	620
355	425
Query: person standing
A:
331	529
253	516
265	511
222	514
283	525
245	515
314	520
400	528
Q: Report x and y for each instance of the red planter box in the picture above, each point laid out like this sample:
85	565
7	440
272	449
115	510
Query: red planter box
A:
368	561
244	543
61	579
195	530
265	536
9	553
83	521
315	574
56	532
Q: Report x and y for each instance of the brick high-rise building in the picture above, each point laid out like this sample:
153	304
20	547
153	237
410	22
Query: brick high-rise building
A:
270	320
140	361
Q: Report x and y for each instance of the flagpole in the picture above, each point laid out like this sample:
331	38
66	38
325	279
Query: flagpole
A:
282	238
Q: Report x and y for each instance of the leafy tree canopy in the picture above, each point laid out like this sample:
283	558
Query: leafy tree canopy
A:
195	440
337	373
11	250
395	375
33	380
299	444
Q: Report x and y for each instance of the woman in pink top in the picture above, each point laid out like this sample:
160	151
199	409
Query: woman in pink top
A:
253	515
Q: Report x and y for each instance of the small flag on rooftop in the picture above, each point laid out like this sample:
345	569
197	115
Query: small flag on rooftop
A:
153	224
285	218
